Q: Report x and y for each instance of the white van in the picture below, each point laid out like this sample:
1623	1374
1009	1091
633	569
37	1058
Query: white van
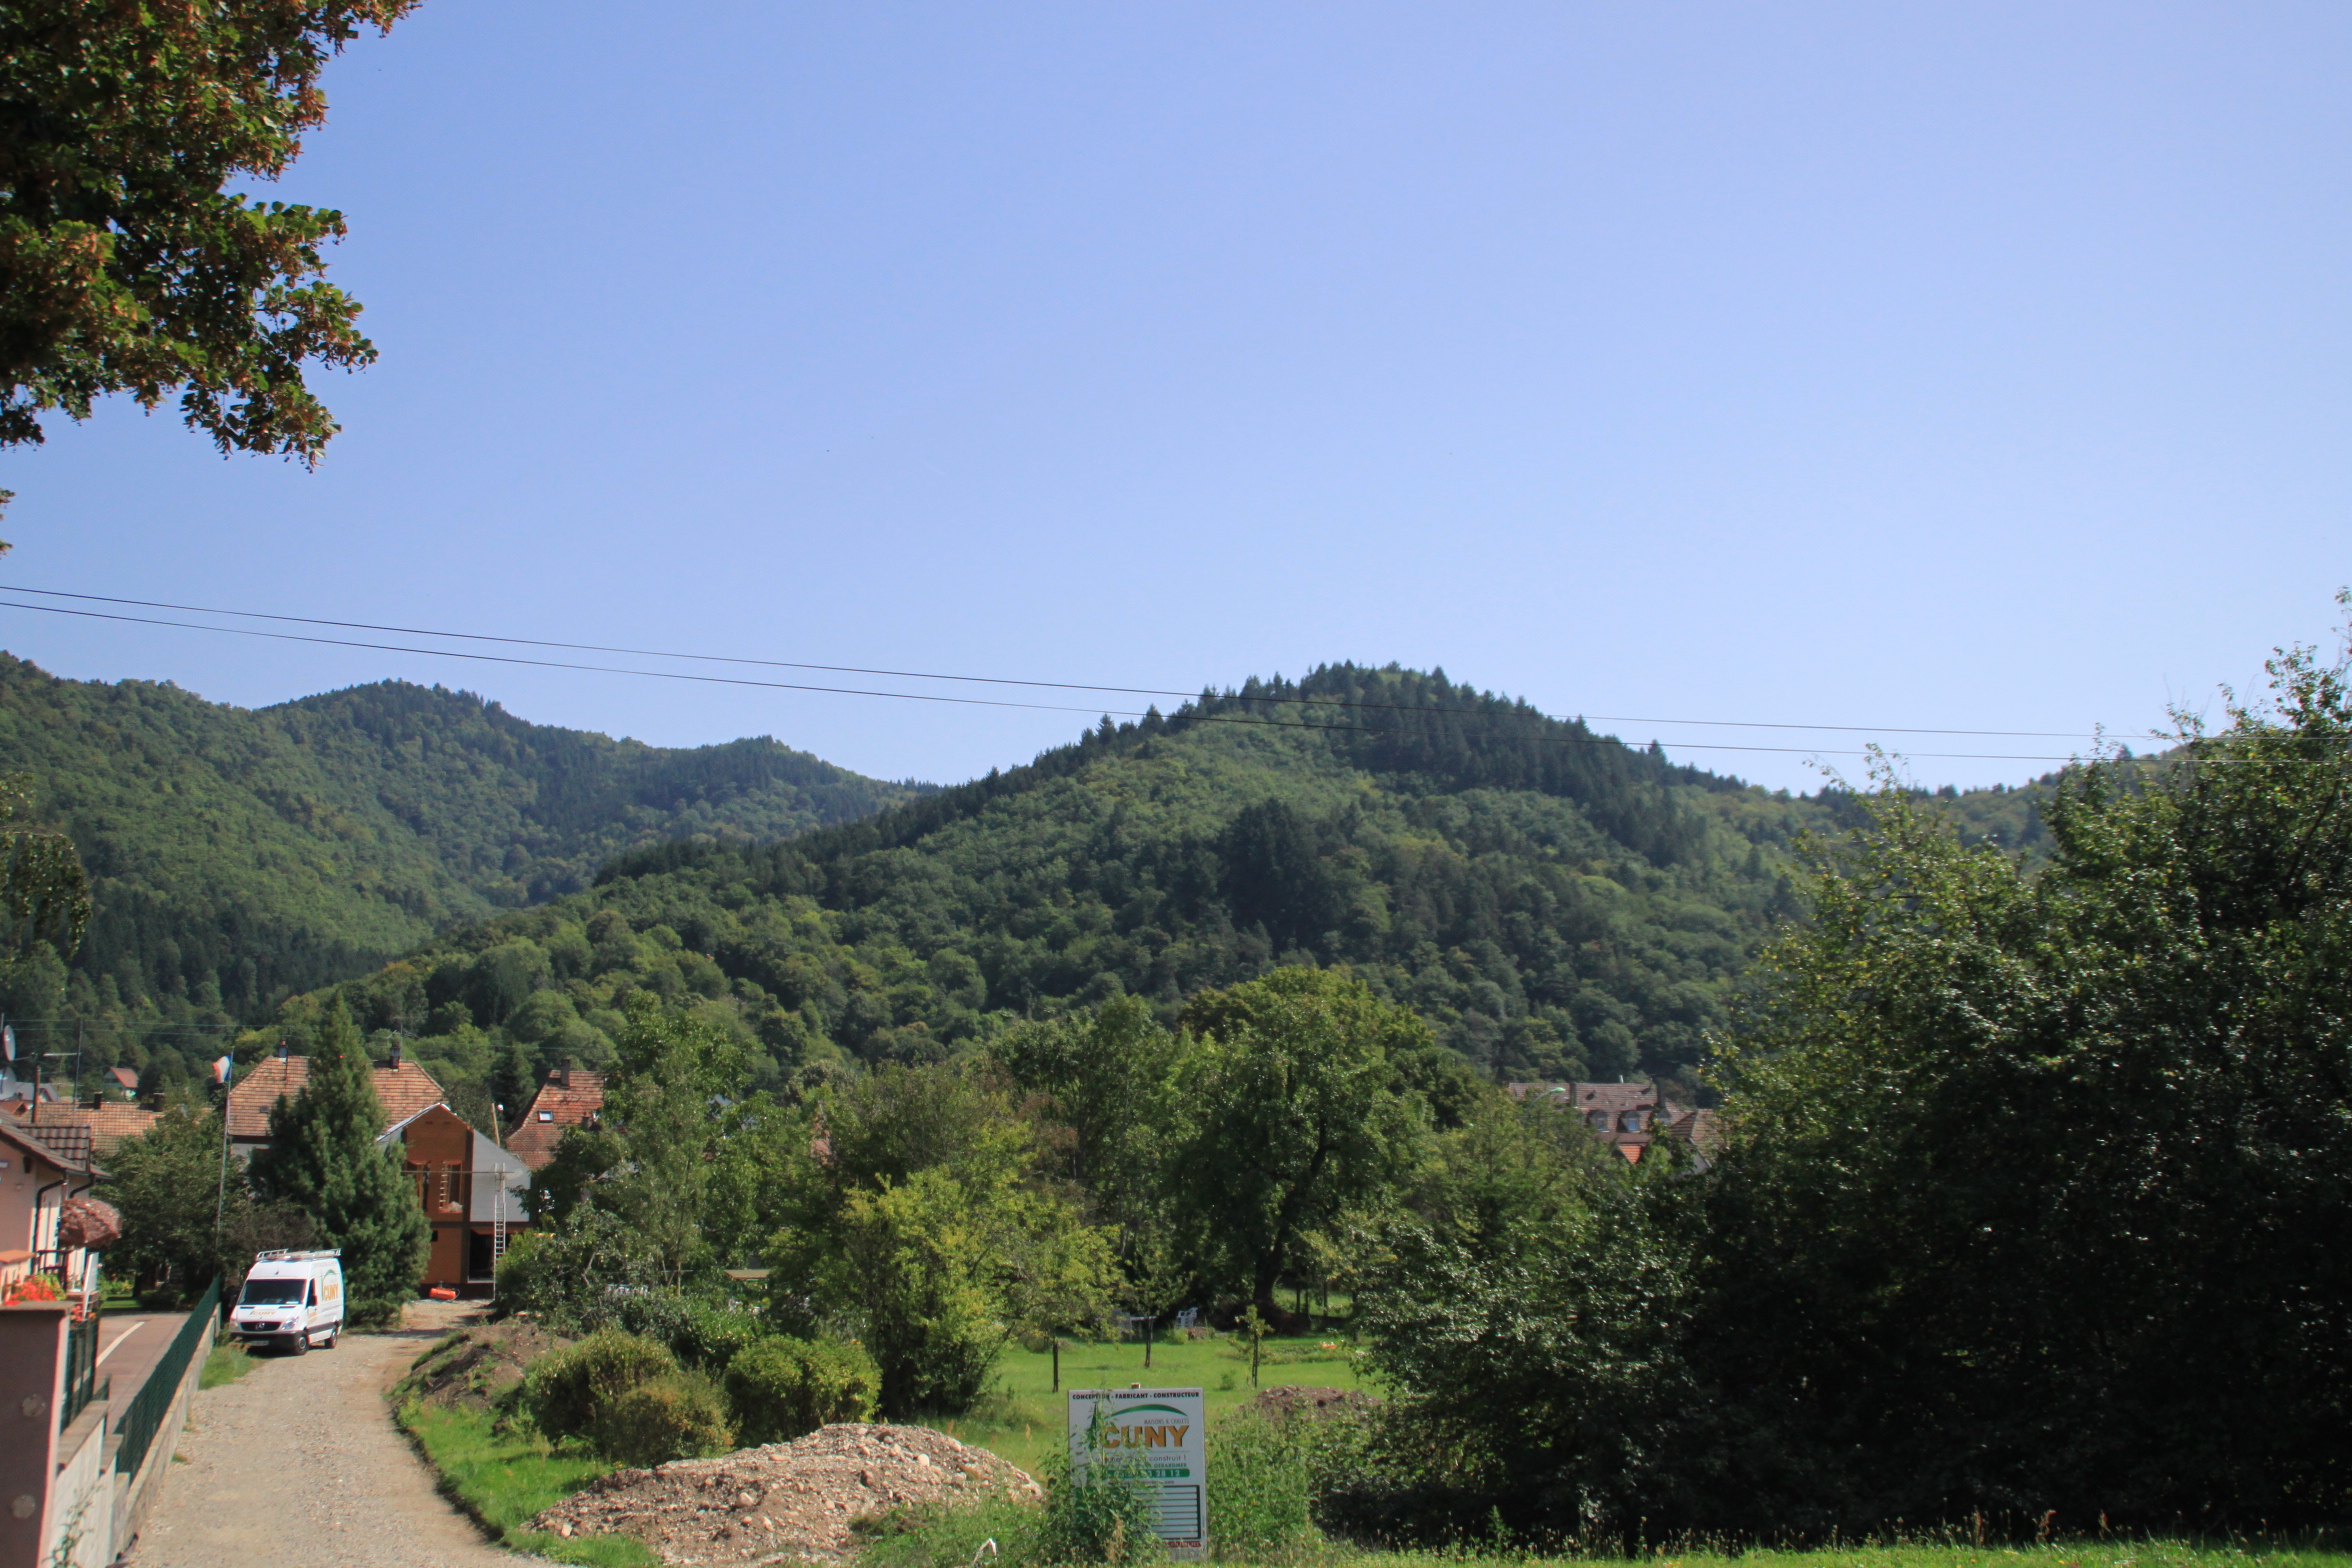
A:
292	1300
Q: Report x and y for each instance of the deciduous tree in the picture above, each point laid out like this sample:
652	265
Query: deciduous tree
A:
1294	1114
125	264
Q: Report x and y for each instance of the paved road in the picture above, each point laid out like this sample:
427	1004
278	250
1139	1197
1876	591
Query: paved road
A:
297	1465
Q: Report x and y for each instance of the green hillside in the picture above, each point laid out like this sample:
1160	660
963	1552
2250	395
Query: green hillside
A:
1553	901
241	855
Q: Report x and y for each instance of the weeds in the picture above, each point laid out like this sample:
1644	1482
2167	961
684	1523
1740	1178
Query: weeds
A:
226	1364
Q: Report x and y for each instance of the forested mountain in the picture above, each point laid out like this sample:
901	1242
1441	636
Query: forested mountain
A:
239	855
1552	901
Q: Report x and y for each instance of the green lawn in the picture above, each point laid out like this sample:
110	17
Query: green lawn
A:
504	1481
1023	1418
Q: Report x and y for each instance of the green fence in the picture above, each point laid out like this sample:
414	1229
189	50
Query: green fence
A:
81	1370
143	1417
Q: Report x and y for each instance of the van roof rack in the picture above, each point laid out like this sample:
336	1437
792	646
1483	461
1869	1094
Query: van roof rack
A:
281	1255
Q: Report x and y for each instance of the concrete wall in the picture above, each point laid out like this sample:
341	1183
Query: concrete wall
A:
80	1528
133	1495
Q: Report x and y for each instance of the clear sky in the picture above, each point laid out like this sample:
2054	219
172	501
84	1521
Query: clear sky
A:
1953	366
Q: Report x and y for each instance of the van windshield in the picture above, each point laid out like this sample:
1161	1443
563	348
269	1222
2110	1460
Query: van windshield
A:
270	1290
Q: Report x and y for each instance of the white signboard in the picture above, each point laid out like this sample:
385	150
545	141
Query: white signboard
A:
1162	1434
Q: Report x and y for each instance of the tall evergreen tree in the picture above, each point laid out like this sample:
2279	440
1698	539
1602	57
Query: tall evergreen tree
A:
324	1158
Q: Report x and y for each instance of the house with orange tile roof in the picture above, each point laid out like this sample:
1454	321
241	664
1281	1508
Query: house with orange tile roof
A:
42	1168
109	1121
404	1088
569	1098
474	1193
1630	1117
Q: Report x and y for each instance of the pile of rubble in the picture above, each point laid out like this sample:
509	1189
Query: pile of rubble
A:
786	1502
1292	1400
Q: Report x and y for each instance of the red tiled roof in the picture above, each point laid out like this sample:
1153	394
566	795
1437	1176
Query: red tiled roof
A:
109	1124
405	1090
66	1147
1702	1130
125	1077
570	1098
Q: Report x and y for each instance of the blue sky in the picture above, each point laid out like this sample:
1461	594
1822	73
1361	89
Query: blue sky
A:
1979	367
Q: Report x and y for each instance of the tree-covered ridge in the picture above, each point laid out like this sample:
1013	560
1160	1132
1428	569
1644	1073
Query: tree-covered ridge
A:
239	855
1552	901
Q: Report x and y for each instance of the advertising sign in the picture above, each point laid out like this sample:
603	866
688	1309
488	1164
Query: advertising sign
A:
1157	1436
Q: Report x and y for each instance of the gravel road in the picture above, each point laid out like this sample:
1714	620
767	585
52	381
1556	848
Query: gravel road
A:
298	1463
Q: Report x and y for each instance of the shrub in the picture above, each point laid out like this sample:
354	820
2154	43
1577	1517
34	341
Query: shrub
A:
567	1274
781	1388
1261	1505
1095	1514
377	1313
701	1334
677	1416
565	1392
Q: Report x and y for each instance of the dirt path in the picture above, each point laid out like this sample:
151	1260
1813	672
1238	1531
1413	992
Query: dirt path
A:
298	1463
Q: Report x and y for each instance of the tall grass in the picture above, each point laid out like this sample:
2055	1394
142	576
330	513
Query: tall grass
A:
1261	1490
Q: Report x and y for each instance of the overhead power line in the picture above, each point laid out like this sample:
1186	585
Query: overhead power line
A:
1309	704
979	680
912	696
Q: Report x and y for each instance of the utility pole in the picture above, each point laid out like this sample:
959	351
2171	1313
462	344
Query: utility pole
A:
220	1200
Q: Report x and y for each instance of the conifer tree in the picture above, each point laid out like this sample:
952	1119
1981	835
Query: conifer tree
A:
324	1158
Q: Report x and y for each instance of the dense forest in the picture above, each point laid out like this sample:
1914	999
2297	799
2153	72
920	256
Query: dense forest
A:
238	856
1553	902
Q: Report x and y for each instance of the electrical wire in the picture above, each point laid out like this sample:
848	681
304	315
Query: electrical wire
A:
983	680
980	702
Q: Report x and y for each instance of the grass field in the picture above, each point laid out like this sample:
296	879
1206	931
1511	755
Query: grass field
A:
1023	1417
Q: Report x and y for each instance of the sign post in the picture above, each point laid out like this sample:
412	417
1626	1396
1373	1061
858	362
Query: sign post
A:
1161	1434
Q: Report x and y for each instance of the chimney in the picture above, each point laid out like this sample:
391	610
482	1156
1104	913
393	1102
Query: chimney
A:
396	1053
285	1049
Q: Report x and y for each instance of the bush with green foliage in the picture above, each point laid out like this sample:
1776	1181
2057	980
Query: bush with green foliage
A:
1261	1497
780	1388
567	1391
927	1233
702	1334
573	1273
2033	1198
676	1416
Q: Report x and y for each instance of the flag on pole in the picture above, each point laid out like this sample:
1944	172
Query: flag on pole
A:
220	1070
8	1040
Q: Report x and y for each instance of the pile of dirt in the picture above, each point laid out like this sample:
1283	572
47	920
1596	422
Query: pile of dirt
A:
786	1502
1291	1400
472	1367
